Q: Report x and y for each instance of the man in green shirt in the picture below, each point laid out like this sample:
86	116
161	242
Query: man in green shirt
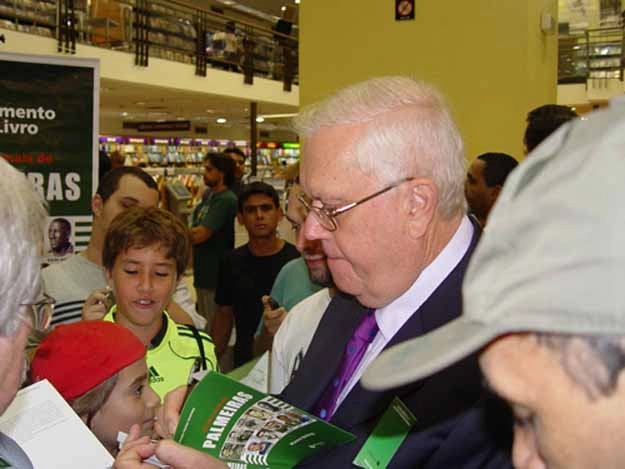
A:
212	230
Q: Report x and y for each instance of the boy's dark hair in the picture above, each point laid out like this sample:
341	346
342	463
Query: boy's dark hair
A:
223	163
110	182
543	121
497	167
140	227
258	187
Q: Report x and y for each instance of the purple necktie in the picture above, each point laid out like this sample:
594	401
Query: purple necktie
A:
352	356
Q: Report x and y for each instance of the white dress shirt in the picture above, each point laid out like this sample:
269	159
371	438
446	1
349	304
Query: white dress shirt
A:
394	315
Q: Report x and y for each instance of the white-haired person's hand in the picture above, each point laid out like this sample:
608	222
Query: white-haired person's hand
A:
168	414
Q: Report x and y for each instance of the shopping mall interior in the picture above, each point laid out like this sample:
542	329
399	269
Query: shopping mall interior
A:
170	85
493	63
170	88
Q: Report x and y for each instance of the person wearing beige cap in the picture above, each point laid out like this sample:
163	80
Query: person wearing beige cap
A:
544	303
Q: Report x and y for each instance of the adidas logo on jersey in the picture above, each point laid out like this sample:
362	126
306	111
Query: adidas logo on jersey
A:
155	377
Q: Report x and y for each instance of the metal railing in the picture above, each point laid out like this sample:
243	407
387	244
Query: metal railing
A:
595	53
170	30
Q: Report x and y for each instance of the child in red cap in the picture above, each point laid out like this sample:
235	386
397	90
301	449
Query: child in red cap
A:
146	251
99	368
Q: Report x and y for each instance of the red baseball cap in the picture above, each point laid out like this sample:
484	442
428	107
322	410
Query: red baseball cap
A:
77	357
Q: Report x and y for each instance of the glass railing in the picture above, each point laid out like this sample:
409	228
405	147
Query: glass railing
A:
594	53
161	29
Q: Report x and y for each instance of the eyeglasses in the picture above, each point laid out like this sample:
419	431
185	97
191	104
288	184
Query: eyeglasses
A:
327	216
40	312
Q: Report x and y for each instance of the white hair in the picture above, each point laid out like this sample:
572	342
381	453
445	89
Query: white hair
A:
407	131
22	221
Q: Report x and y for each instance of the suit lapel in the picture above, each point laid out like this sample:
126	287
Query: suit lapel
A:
442	306
325	352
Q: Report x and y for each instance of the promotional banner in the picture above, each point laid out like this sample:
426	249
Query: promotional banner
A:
49	130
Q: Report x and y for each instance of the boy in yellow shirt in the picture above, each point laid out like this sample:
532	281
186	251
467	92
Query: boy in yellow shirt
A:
146	251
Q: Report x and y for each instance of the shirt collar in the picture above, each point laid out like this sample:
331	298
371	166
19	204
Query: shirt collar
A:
394	315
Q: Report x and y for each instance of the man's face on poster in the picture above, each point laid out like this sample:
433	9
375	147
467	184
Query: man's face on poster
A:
58	235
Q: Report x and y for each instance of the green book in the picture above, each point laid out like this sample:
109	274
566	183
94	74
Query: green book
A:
249	429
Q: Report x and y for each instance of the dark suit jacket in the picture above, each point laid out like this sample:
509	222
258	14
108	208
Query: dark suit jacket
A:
453	421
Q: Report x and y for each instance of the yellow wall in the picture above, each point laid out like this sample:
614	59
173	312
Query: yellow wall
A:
488	57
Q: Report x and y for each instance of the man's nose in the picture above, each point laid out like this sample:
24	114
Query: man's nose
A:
312	228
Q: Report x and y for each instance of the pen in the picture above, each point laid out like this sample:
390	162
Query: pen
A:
197	364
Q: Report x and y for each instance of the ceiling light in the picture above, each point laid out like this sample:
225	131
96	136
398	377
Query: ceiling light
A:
124	114
140	103
296	2
573	108
221	120
260	119
283	8
210	111
180	118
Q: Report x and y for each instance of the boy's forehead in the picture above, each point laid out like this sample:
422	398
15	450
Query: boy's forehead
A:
258	199
139	253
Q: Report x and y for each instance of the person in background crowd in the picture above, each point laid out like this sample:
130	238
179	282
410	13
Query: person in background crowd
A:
146	251
212	230
79	281
544	301
239	170
298	279
104	164
393	225
484	182
543	121
248	272
293	332
59	233
117	159
99	368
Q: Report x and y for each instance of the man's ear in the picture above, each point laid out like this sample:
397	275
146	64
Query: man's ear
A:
97	204
494	193
240	218
420	203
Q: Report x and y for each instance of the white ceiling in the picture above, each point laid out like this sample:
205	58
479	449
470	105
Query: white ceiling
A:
123	101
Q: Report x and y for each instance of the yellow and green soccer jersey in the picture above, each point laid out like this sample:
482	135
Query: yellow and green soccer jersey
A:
174	352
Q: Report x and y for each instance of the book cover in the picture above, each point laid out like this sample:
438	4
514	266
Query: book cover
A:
250	429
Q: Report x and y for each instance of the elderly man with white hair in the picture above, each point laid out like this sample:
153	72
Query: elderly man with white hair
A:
544	303
23	306
383	172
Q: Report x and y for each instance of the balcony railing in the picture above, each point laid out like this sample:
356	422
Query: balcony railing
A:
165	29
595	53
